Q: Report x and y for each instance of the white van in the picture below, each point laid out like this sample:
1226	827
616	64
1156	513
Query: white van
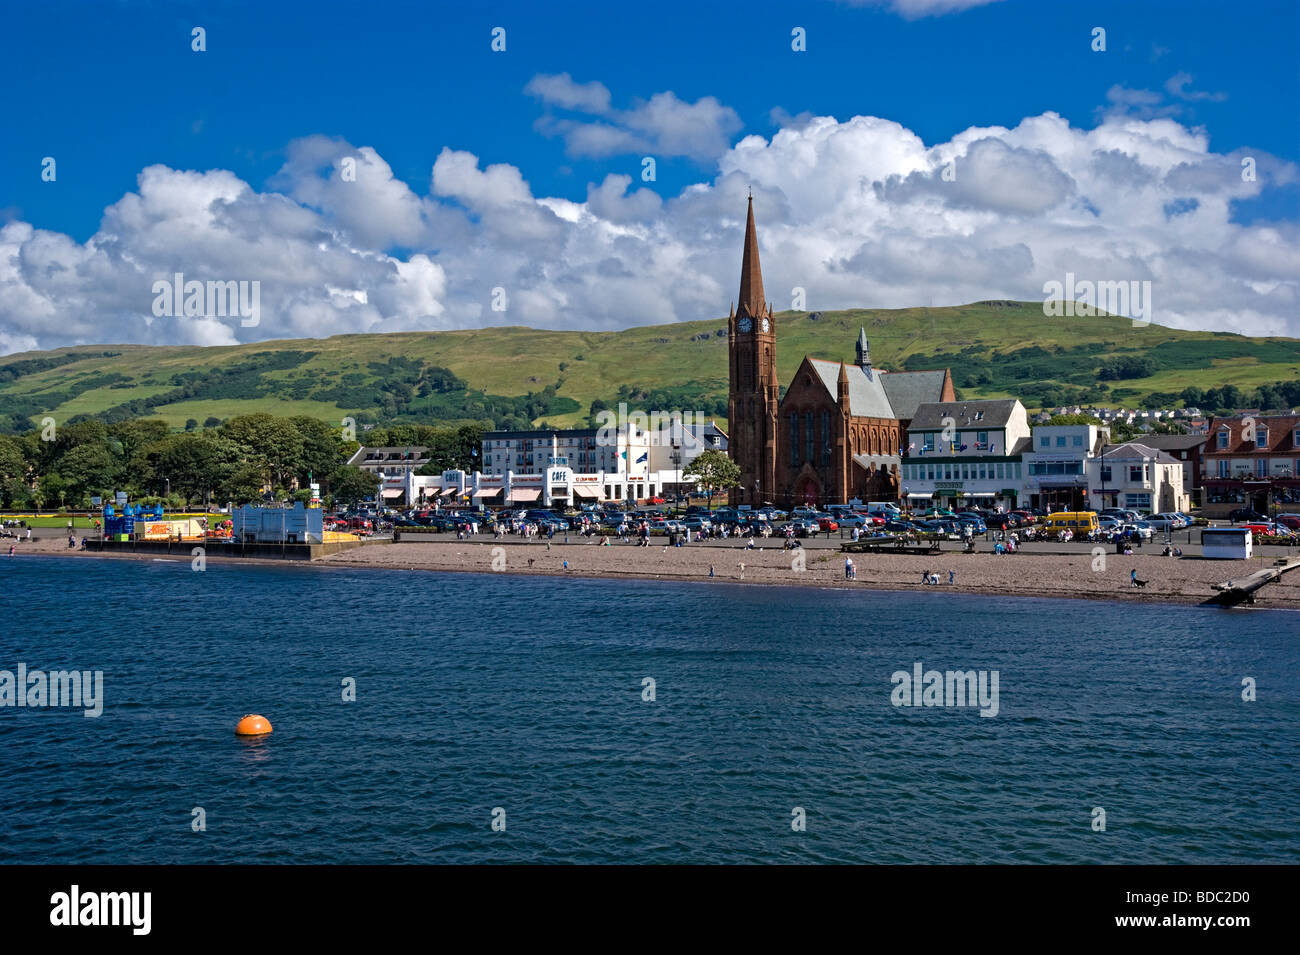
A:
886	509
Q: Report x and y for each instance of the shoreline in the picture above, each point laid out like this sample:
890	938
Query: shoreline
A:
1184	581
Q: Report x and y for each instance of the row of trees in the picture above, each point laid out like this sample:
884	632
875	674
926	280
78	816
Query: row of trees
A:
245	458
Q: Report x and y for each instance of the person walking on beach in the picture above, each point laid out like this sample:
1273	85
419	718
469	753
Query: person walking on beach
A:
850	572
11	553
710	571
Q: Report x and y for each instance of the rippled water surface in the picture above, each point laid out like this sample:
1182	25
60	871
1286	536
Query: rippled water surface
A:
476	692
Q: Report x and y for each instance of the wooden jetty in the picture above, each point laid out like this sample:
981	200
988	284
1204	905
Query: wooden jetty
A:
1243	589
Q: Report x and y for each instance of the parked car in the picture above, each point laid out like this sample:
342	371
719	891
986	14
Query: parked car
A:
1165	522
901	527
827	524
1002	522
1291	521
1246	514
1267	529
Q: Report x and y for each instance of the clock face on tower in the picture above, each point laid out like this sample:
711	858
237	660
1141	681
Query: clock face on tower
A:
745	324
766	324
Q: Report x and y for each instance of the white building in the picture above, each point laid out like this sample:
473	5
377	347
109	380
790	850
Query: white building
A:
1056	468
966	452
1136	477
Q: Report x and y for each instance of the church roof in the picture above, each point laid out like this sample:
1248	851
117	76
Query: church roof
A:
867	398
751	302
908	390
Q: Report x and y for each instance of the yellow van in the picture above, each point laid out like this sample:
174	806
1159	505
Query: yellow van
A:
1081	522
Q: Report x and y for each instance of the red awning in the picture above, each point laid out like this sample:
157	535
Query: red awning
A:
487	492
582	491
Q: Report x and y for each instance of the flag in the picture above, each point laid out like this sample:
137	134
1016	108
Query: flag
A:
990	447
963	447
912	446
644	456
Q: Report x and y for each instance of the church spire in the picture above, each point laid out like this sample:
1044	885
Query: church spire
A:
751	302
863	349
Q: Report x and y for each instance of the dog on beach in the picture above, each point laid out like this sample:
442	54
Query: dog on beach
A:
530	561
1133	578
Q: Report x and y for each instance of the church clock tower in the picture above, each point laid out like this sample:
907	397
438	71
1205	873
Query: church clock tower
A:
752	409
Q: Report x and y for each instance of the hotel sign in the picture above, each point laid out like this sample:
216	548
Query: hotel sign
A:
948	485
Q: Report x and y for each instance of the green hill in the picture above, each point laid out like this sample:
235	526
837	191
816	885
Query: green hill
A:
512	376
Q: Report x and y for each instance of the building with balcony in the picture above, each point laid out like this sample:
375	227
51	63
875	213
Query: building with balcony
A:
1251	461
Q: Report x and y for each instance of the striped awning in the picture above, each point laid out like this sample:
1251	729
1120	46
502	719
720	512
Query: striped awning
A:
525	494
582	491
487	492
446	491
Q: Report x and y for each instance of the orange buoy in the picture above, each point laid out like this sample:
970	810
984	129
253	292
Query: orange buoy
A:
253	726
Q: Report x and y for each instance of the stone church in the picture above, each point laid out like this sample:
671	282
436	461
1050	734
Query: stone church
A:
836	434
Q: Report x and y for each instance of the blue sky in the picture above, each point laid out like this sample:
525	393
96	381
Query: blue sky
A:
111	88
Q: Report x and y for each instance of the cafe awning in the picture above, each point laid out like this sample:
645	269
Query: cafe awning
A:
446	491
487	492
394	493
583	491
525	494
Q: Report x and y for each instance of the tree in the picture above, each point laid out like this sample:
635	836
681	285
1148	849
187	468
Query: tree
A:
274	439
320	449
13	471
89	469
713	471
350	484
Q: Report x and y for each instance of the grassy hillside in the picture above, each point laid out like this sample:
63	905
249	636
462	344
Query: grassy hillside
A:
994	349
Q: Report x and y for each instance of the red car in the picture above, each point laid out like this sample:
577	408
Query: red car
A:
1258	529
1290	520
827	524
